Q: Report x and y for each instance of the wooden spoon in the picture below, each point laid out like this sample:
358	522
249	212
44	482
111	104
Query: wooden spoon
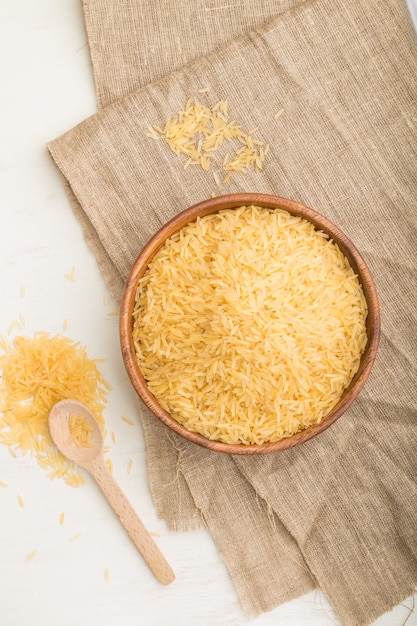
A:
91	459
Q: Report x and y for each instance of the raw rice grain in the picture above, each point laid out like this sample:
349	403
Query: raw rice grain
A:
37	372
248	325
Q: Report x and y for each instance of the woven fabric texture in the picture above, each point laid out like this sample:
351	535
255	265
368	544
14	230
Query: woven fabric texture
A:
332	87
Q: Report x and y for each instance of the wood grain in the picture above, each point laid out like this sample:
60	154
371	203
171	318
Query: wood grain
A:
130	520
91	458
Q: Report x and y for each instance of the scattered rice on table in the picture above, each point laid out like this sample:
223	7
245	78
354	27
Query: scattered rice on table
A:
32	555
36	373
15	324
71	276
248	325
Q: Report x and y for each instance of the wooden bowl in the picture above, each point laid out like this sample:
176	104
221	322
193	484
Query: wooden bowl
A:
227	202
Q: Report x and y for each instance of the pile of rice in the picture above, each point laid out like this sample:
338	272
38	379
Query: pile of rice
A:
248	325
35	373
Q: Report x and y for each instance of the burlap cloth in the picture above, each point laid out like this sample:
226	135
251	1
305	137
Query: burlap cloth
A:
340	511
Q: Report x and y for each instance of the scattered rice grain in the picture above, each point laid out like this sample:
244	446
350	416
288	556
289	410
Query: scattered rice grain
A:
14	325
198	131
32	555
71	276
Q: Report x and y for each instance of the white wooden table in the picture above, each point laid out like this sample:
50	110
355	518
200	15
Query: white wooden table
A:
47	87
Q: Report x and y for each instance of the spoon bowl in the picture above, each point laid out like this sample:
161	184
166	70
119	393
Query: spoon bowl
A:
90	457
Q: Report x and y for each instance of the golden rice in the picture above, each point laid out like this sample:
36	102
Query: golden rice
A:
80	431
248	325
32	555
198	131
37	372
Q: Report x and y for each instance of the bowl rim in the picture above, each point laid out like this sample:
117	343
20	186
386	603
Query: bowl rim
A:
214	205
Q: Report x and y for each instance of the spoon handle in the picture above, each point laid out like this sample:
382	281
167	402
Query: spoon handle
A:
130	520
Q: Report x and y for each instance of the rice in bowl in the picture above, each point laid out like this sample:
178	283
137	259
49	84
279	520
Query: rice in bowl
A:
248	325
